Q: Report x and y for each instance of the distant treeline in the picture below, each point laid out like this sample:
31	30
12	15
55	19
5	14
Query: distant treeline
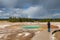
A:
14	19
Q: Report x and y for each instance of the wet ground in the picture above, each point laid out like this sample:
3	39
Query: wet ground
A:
28	35
13	31
17	35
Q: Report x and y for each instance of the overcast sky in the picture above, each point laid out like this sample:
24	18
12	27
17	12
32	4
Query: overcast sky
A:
30	8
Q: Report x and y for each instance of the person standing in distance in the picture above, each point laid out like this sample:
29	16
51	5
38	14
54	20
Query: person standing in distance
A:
48	26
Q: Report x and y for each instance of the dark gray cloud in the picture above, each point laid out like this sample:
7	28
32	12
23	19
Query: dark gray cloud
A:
50	4
29	8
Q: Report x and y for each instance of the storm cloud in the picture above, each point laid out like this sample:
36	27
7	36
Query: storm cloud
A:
30	8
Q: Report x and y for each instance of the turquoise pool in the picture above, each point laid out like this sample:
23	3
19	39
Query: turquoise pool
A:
31	27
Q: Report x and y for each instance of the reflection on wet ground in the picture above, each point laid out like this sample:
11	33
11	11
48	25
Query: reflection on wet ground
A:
17	35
